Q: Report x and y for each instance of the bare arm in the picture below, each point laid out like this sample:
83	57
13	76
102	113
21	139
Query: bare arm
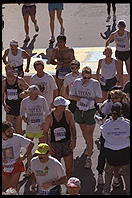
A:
118	70
25	54
111	37
5	57
6	107
46	126
53	57
76	98
63	92
98	70
71	123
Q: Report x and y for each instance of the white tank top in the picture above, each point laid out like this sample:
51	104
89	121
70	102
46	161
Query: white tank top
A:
108	71
122	42
16	60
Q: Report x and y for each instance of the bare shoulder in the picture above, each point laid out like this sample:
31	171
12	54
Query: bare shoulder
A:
68	113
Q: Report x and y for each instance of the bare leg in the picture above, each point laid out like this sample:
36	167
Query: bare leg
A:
52	18
87	131
59	12
128	66
26	26
19	124
68	165
120	71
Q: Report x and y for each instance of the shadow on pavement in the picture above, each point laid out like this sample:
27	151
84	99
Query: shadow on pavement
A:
86	176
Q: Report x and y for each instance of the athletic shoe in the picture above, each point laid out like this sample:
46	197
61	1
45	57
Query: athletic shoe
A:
36	27
28	172
100	179
88	163
27	38
52	39
116	183
108	18
62	31
114	17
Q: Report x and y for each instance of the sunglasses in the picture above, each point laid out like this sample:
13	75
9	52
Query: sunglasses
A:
74	67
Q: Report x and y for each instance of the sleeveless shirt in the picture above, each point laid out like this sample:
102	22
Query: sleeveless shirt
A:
122	42
16	60
108	71
60	131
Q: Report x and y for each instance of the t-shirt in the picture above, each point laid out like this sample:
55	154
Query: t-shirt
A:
11	149
36	111
46	172
46	85
69	80
116	133
87	92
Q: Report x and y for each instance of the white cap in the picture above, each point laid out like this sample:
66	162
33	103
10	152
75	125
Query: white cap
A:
61	101
73	182
33	88
13	42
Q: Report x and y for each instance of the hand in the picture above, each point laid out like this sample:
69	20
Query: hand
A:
6	108
25	120
27	70
73	144
33	188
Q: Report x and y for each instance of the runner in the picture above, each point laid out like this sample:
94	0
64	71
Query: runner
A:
58	7
86	91
73	186
109	69
109	10
29	9
16	56
12	86
116	132
122	53
47	172
64	55
45	82
68	82
33	111
62	137
12	165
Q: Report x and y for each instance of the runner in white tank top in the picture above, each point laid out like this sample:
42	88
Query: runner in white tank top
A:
122	53
108	67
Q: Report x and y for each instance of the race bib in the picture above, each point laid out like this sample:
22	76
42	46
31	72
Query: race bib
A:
8	168
12	94
85	104
62	72
59	133
35	122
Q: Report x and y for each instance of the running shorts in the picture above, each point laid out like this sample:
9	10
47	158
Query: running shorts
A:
123	56
55	6
18	167
85	117
29	10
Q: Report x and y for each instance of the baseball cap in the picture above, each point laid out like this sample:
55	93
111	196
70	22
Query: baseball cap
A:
116	87
59	100
121	23
73	182
116	108
42	148
33	88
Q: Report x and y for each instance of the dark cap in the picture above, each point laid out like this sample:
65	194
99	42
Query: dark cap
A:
116	108
121	23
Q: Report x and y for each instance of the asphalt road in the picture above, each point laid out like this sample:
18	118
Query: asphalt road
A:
83	24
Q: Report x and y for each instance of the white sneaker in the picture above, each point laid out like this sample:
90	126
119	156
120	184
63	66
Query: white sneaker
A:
108	18
88	163
100	179
36	27
52	39
114	17
62	31
27	38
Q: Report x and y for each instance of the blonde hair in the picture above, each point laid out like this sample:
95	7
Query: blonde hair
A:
9	65
117	94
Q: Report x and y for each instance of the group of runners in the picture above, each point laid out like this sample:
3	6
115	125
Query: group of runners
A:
51	105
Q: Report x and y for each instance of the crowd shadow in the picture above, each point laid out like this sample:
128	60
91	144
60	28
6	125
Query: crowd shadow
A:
86	176
109	30
28	47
